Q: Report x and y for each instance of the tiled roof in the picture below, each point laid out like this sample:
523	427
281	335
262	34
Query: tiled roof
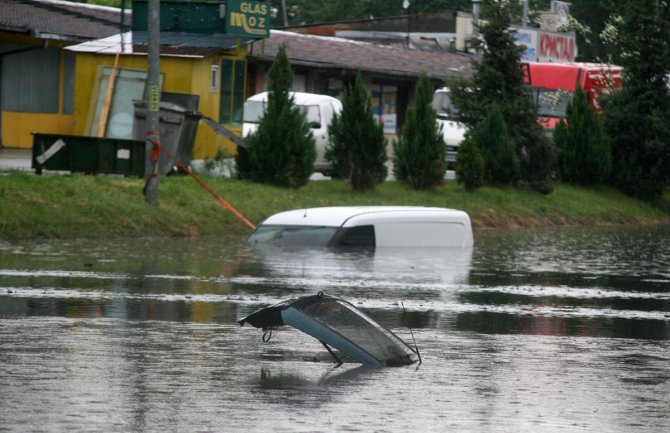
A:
327	52
52	19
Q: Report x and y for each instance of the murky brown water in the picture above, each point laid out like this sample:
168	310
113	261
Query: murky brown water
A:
533	331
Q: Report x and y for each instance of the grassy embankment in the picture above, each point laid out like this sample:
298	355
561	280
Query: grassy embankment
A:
66	207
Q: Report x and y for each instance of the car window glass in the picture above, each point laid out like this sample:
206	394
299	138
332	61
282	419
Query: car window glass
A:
292	235
253	111
359	236
312	113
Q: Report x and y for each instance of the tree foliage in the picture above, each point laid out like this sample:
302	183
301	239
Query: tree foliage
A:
469	164
358	147
498	78
420	151
584	152
501	165
591	16
637	116
282	151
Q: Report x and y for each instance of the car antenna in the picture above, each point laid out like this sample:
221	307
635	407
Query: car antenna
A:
416	347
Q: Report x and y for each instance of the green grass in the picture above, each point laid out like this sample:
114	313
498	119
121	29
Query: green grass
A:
65	207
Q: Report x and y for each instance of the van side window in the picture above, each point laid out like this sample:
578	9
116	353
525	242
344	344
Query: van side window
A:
359	236
312	115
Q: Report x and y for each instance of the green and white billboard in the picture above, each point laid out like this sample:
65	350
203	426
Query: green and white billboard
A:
248	18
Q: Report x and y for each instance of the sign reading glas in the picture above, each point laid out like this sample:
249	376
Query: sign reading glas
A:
248	18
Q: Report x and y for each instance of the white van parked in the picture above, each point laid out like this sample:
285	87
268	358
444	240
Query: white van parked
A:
319	111
453	131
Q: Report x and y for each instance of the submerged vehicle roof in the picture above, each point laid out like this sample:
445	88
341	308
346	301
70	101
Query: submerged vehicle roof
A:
342	216
337	323
414	226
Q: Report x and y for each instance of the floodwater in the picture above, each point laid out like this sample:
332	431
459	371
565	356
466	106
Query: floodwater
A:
532	331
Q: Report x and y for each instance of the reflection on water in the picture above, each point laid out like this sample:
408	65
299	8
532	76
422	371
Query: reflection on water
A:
547	330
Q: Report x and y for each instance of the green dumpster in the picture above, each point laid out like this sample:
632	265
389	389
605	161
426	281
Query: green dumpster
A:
89	155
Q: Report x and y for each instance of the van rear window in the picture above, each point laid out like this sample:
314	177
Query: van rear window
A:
362	236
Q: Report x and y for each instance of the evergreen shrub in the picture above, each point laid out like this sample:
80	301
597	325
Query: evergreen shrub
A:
420	151
584	152
282	151
469	164
357	148
501	165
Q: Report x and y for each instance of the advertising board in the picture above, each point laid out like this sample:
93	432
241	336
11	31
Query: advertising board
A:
248	18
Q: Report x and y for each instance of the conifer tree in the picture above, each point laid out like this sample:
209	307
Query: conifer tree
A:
636	117
497	148
282	151
584	152
420	151
498	77
469	164
358	147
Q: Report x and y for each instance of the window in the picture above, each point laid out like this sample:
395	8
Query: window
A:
215	78
384	106
299	83
312	114
232	91
68	82
443	106
314	236
128	87
254	111
359	236
551	103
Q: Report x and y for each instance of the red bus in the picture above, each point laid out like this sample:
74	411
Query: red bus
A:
553	85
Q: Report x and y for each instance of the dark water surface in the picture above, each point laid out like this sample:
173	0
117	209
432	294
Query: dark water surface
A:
533	331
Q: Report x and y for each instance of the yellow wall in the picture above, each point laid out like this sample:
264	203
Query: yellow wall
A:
188	75
179	74
17	128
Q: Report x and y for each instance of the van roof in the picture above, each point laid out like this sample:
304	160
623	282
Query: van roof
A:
300	98
338	216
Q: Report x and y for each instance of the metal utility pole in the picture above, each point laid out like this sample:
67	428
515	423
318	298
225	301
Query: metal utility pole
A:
285	12
152	104
524	18
475	14
405	7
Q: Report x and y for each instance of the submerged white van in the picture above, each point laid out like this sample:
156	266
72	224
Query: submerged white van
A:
367	226
319	111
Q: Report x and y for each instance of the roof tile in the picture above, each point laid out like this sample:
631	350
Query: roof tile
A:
66	20
310	50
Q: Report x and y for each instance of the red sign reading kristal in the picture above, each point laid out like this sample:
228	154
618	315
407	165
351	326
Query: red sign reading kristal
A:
554	47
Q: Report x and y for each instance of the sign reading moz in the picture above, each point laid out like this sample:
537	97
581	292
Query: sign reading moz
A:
248	18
